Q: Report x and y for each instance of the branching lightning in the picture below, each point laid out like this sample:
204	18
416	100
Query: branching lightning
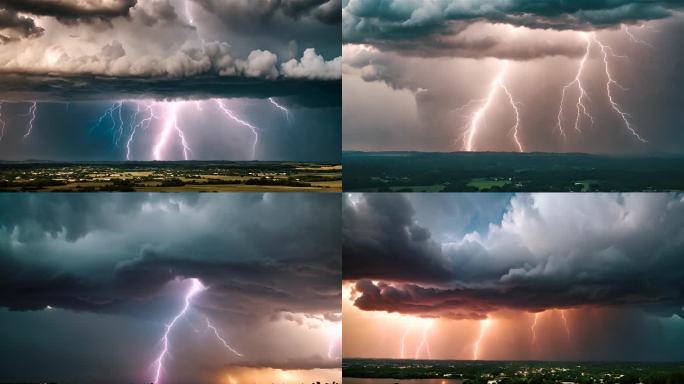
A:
581	107
609	89
282	108
476	118
484	324
232	116
195	288
633	38
32	112
424	340
221	339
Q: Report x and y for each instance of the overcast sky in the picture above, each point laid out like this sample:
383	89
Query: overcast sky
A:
149	53
609	264
454	73
88	282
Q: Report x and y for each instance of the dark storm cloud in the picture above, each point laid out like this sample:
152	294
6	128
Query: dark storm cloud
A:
373	20
257	254
548	251
14	27
70	10
235	13
309	93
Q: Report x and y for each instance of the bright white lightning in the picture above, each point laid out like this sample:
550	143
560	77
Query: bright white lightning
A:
117	126
402	352
581	107
476	118
610	82
282	108
336	336
221	339
484	324
232	116
424	342
170	124
32	112
195	288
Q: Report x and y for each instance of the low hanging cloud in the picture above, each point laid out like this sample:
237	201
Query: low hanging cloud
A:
14	27
373	20
72	10
548	251
250	265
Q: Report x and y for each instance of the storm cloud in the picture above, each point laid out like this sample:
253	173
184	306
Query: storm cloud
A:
545	251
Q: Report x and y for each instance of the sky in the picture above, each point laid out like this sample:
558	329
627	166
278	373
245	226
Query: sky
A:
492	75
90	282
513	276
170	80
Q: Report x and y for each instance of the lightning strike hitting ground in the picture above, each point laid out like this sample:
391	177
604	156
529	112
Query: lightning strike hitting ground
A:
565	323
32	112
170	119
610	82
232	116
533	328
477	117
484	324
195	288
116	126
581	107
402	352
285	110
221	339
424	342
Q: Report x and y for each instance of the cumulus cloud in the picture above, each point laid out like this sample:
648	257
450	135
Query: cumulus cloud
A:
547	251
313	66
14	27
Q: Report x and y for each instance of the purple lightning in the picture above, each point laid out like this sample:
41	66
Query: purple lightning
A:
196	287
581	107
476	118
32	112
171	124
221	339
282	108
232	116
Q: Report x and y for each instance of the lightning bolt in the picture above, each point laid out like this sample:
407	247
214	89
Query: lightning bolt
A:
282	108
221	339
610	82
533	328
116	126
196	287
581	107
337	339
477	117
171	124
484	324
565	323
402	353
232	116
424	342
136	124
635	39
32	112
3	124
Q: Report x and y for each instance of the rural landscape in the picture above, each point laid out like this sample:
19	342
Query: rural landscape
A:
363	371
169	176
510	172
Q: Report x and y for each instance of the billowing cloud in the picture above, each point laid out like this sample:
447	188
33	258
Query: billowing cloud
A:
373	20
546	251
264	276
313	66
72	10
